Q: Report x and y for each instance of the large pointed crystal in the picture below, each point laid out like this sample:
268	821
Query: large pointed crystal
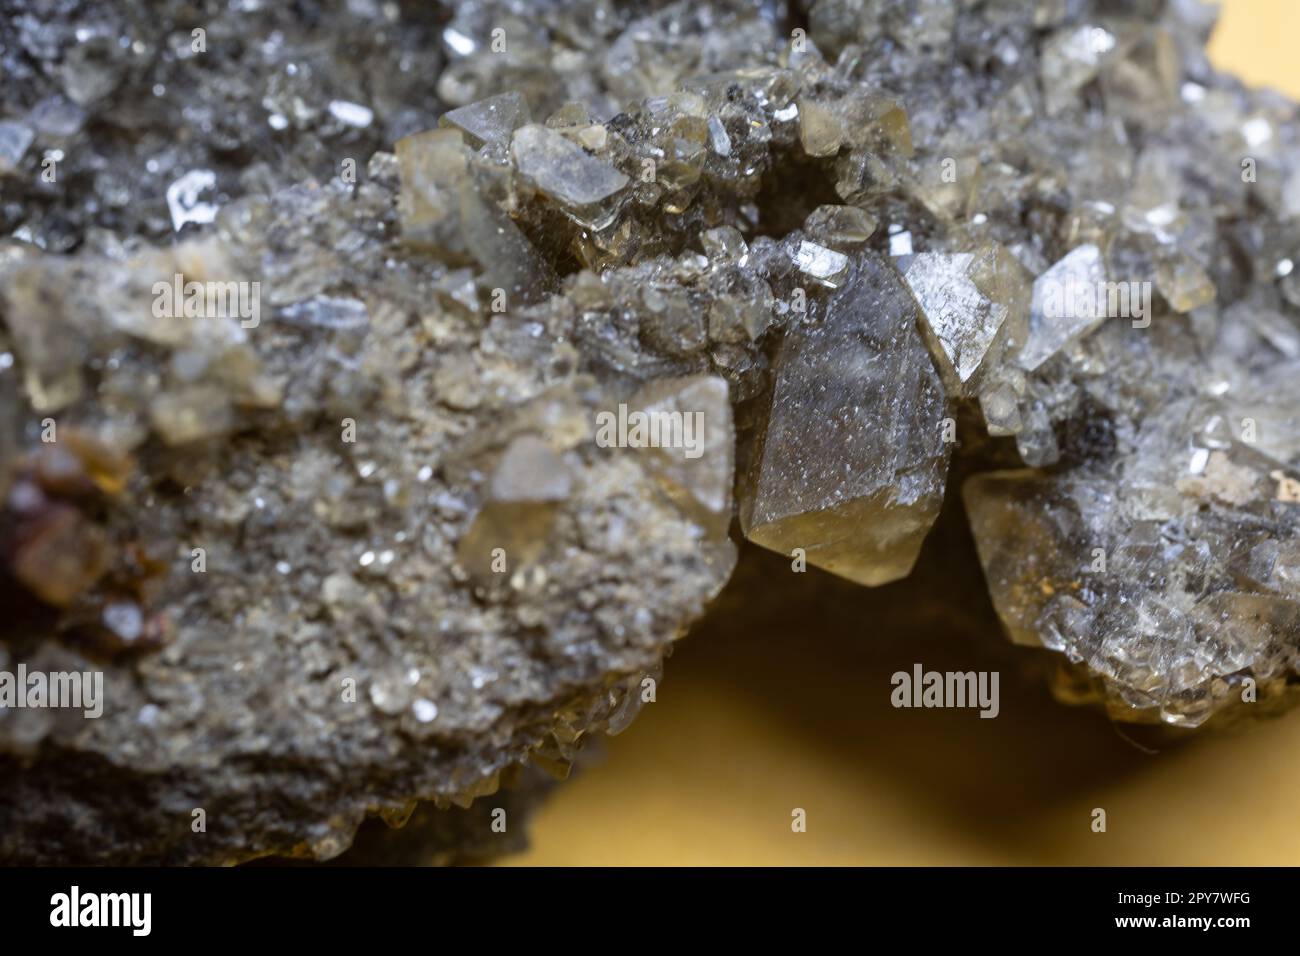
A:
851	464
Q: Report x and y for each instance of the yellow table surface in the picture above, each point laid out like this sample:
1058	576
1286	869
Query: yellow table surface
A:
748	726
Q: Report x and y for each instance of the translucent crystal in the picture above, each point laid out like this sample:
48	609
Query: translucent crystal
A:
1071	58
191	414
492	120
840	227
1066	305
974	306
1185	285
820	263
443	208
851	462
14	140
519	509
698	479
819	130
565	172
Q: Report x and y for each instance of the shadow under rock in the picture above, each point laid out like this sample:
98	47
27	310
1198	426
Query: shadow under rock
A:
820	652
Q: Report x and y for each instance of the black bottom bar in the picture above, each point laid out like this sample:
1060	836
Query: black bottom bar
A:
333	905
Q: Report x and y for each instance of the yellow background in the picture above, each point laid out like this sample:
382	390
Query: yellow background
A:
786	706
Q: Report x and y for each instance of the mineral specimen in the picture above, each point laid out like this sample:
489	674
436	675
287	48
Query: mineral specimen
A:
307	320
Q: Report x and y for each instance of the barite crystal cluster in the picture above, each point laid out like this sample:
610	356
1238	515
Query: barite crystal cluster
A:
307	320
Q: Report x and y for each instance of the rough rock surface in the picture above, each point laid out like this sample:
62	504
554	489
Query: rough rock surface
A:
362	544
